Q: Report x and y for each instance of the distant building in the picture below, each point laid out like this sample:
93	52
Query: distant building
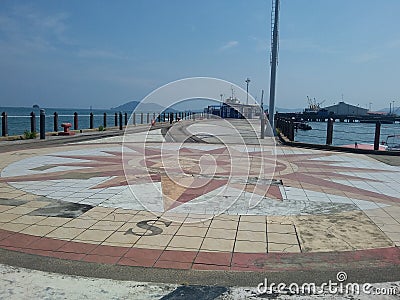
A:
232	108
346	109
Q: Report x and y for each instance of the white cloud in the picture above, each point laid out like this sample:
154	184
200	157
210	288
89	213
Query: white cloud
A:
229	45
25	29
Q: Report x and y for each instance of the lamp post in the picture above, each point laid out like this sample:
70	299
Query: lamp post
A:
247	90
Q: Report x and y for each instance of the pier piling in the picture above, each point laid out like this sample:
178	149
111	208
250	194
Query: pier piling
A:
91	121
4	127
42	124
55	122
105	120
377	135
329	132
75	121
33	122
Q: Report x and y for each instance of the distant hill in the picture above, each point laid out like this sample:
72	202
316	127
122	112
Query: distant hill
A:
387	110
144	107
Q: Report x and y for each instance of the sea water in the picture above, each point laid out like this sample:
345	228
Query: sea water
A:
346	133
19	119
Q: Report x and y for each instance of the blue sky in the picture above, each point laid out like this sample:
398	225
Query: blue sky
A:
104	53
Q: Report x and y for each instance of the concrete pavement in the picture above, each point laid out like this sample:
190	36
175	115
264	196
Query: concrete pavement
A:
162	207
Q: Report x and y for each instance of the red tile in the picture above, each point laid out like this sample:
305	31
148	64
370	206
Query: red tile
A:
179	256
165	264
42	252
77	247
214	258
110	250
126	261
5	234
72	256
139	253
47	244
210	267
19	240
247	259
101	259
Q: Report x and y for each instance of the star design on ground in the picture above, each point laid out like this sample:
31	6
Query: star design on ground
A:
189	172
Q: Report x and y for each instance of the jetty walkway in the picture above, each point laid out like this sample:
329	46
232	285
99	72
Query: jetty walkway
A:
203	203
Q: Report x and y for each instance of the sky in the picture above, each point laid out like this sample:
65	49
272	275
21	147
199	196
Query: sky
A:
104	53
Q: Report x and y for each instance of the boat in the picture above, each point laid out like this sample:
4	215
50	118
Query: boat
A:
302	126
393	142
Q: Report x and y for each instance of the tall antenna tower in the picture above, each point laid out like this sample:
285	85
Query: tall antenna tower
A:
274	59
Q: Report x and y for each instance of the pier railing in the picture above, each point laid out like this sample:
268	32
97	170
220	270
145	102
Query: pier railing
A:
288	127
53	122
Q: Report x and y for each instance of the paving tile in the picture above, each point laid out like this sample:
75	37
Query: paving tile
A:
178	256
140	257
36	204
54	221
47	244
253	219
272	247
166	264
4	208
80	223
101	259
74	247
13	226
109	251
107	225
210	267
284	238
213	258
65	233
185	242
94	235
224	224
251	226
38	230
19	240
192	231
210	244
121	238
30	220
280	228
251	236
21	210
154	242
71	256
7	217
118	217
250	246
219	233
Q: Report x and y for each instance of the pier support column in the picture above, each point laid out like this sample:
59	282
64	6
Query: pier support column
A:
377	135
33	122
134	119
4	125
75	121
91	125
120	120
115	119
105	120
42	124
126	119
55	122
329	132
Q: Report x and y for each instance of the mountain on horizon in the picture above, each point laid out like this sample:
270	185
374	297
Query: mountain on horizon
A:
144	107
